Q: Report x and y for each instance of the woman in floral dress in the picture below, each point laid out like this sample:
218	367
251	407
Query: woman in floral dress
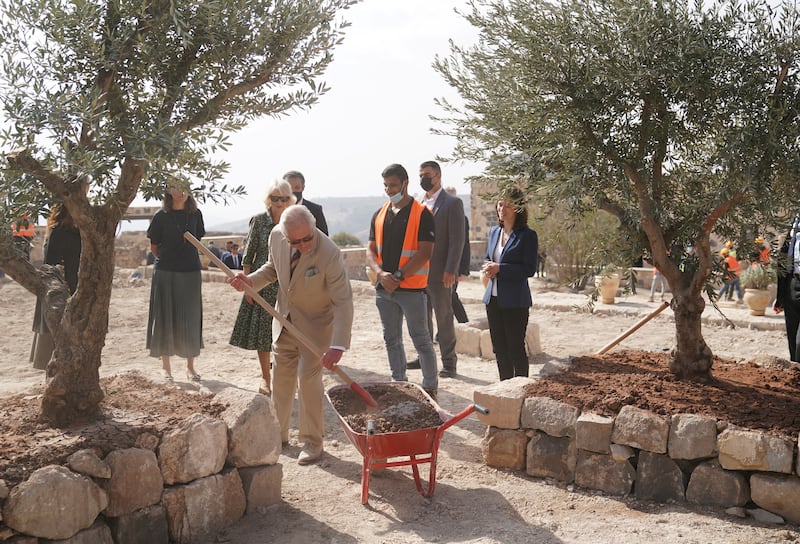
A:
253	327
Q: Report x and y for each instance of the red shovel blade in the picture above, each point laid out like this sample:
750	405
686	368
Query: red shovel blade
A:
361	392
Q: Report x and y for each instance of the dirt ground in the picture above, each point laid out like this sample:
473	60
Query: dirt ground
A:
321	502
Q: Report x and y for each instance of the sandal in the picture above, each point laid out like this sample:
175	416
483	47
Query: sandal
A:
167	375
192	376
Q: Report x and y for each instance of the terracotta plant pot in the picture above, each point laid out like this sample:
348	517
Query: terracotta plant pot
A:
757	300
607	285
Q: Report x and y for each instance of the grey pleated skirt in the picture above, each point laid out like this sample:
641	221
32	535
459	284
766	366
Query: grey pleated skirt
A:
175	323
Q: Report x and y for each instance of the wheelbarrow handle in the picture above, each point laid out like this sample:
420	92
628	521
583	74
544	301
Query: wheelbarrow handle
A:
482	409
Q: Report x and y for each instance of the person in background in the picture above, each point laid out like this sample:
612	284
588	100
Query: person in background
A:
733	269
175	320
62	247
401	240
448	217
233	258
314	291
511	258
23	232
298	183
658	281
541	259
253	327
463	268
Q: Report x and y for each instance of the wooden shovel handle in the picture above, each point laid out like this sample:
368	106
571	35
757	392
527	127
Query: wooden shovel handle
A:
305	340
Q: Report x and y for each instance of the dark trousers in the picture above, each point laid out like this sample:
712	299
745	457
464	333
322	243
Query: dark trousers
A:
507	328
791	313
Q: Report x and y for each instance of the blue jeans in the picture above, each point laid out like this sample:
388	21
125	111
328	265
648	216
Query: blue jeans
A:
414	306
731	285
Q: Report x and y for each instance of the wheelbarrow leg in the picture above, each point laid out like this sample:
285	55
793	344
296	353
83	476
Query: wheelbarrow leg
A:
365	474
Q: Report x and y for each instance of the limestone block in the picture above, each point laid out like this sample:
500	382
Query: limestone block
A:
198	510
145	526
533	344
603	472
135	481
468	340
641	429
659	478
98	533
555	366
692	437
765	517
17	539
593	432
620	452
262	486
254	434
31	505
3	490
504	401
487	349
777	493
741	449
503	448
712	485
554	417
196	448
87	462
552	457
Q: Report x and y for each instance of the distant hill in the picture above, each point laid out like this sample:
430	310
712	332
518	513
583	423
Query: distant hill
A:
344	214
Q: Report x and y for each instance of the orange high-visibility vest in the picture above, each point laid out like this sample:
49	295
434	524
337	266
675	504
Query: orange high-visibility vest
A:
419	279
19	229
733	265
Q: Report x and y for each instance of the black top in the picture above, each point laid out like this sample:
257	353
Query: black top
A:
64	247
175	253
394	232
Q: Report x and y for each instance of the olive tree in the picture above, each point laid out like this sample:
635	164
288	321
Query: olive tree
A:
107	99
680	119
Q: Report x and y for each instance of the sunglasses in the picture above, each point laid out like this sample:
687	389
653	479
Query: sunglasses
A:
279	198
301	240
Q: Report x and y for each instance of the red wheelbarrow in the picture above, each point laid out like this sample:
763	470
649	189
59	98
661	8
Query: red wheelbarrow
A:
416	447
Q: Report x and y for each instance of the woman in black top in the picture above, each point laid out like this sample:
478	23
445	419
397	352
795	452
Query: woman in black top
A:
62	246
175	323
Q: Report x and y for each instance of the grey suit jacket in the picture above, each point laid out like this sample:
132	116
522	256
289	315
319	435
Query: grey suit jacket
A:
448	218
317	295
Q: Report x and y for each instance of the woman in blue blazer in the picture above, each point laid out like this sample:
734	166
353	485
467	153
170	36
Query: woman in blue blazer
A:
511	258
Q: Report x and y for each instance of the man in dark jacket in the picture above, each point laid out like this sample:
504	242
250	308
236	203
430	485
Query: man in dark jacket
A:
298	183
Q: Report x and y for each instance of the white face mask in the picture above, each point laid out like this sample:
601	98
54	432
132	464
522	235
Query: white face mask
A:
397	197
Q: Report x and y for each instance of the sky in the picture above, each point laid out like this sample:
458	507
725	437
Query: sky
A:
382	91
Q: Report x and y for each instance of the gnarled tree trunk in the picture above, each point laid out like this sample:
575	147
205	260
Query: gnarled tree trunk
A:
73	391
691	358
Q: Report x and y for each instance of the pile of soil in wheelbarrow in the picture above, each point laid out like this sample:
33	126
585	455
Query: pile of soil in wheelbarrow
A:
401	407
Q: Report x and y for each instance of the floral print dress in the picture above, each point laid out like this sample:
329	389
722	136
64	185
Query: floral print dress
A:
253	326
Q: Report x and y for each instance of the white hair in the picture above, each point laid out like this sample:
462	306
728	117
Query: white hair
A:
296	214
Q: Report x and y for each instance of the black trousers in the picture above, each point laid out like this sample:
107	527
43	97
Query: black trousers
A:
791	314
458	307
507	328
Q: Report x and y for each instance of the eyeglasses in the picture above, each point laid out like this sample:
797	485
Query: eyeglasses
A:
301	240
274	198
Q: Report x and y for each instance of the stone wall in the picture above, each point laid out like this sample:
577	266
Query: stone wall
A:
682	458
185	486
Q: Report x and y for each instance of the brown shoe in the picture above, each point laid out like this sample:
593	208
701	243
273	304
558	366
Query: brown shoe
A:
432	393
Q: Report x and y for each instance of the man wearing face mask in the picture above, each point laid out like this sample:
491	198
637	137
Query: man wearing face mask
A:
400	245
448	216
298	183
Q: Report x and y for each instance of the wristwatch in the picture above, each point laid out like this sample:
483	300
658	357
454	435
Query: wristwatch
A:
398	275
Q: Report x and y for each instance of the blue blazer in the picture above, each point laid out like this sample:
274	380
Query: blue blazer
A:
517	263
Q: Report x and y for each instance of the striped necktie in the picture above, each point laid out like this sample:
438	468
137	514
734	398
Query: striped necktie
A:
293	262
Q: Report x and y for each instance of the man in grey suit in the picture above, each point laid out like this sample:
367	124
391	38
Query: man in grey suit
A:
314	290
448	217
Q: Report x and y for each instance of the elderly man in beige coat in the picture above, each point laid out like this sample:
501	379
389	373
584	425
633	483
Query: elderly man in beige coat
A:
314	294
